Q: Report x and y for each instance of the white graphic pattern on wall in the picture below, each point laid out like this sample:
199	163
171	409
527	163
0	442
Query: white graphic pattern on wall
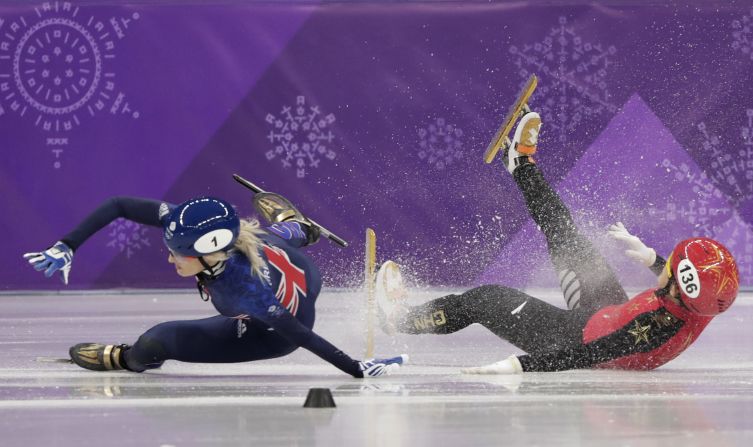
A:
741	34
127	237
711	213
302	137
56	70
572	78
440	143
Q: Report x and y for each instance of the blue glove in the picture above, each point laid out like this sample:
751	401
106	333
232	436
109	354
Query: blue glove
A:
382	367
57	257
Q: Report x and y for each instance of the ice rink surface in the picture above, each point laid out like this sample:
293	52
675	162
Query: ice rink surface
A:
704	397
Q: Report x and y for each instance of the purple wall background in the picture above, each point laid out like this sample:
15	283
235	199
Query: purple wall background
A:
385	111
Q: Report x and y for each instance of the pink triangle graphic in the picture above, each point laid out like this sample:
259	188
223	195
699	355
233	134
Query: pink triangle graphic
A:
637	173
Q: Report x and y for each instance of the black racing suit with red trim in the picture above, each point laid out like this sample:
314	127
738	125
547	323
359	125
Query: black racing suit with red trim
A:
606	329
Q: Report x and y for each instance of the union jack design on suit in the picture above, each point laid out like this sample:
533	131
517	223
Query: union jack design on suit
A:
292	278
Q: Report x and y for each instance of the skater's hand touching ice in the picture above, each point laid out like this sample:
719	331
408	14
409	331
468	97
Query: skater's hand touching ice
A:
636	249
382	367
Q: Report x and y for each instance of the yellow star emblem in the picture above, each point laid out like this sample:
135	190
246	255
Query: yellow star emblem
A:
640	332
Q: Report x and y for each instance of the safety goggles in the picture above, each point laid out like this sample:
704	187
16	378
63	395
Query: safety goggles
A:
177	256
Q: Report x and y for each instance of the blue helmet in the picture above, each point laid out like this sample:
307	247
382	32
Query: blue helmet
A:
200	226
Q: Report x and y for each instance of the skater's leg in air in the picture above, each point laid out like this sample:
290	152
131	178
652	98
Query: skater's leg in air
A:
585	278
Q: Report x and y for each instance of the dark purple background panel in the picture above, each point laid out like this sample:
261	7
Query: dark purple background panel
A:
377	115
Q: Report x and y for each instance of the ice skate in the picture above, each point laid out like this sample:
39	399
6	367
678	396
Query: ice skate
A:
276	208
389	293
519	108
524	142
98	357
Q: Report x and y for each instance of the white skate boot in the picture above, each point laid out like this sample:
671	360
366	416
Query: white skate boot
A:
524	142
390	294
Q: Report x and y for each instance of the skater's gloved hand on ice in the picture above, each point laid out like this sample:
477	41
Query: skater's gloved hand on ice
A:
510	365
382	367
57	257
636	248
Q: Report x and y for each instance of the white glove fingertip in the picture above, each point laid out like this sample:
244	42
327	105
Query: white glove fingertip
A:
620	236
34	258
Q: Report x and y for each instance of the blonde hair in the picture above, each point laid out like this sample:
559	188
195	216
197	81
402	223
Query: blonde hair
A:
248	243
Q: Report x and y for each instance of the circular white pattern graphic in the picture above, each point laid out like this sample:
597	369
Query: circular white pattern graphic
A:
57	66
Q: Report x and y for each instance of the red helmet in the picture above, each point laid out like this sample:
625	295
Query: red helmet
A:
706	274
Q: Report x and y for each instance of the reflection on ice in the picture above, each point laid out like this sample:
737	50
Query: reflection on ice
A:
704	396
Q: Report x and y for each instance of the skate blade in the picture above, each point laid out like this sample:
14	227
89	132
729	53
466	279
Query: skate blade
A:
324	231
53	360
501	138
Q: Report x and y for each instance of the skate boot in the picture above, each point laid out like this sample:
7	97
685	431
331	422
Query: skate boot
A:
98	357
523	145
276	209
390	294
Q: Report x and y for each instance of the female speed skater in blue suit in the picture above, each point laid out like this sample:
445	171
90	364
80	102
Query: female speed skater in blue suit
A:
259	280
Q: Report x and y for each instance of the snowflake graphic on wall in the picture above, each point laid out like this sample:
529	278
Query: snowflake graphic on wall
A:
709	208
573	76
127	236
741	34
732	172
440	143
301	136
711	211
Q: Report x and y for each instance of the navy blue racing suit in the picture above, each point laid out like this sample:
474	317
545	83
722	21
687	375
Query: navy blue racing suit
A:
260	317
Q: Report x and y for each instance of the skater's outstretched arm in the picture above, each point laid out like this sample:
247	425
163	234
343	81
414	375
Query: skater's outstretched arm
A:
260	302
60	256
136	209
636	249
